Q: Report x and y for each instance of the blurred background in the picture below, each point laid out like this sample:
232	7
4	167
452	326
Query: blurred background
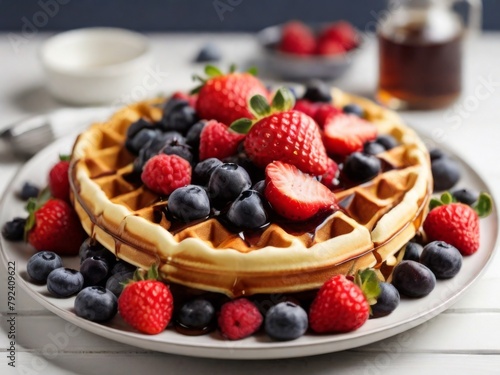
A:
202	15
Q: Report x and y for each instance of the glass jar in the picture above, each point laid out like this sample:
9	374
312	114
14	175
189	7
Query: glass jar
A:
420	53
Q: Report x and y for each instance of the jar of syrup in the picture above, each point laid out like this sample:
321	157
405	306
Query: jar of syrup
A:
420	52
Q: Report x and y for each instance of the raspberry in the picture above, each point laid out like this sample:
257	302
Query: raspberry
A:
165	173
238	319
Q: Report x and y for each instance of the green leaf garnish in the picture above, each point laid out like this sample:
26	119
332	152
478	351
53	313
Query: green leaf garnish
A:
241	126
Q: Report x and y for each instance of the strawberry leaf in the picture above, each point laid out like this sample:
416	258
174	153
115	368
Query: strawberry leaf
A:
232	68
369	283
259	106
64	157
446	198
283	100
484	205
212	71
435	203
241	126
252	70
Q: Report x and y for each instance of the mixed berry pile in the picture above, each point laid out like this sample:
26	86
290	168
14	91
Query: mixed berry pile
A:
235	152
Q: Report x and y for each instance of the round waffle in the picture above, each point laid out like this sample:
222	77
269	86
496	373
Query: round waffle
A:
376	220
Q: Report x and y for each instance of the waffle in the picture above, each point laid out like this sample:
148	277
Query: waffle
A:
376	220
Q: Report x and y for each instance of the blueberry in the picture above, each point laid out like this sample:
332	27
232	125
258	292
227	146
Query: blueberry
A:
95	303
445	172
203	170
317	91
354	109
91	248
64	282
189	203
286	321
28	190
173	147
180	117
209	52
413	251
373	148
140	140
193	134
436	153
413	279
198	314
137	126
115	283
466	196
94	270
248	211
387	141
14	230
260	186
360	167
41	264
227	182
122	266
443	259
387	301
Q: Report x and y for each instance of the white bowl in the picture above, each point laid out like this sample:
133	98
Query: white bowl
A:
295	67
95	65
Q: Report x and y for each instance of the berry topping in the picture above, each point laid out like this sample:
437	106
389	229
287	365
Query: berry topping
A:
92	248
14	230
359	167
286	321
193	135
387	141
165	173
282	134
442	259
413	279
330	177
146	304
94	270
117	281
96	304
189	203
354	109
248	211
445	173
238	319
307	107
324	113
226	183
137	126
140	139
466	196
203	170
456	223
178	116
387	301
28	190
122	267
196	314
317	91
339	306
64	282
41	264
296	195
174	147
373	148
413	251
224	97
208	53
297	38
59	179
218	141
345	134
50	223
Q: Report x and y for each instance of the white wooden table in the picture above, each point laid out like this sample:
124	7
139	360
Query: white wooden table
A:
462	340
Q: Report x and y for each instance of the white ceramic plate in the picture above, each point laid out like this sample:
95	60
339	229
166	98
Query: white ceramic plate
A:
409	314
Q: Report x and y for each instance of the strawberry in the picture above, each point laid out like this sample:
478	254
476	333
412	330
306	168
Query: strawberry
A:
342	305
165	173
329	47
146	304
59	179
297	38
224	97
306	106
342	33
218	141
54	226
330	177
346	133
324	113
296	195
279	133
456	223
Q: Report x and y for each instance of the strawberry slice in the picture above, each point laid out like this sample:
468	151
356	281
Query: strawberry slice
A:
346	133
324	113
295	195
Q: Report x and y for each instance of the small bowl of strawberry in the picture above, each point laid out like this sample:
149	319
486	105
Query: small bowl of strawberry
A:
297	51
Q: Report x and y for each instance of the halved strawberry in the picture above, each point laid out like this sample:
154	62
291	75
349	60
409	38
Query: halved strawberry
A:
346	133
324	113
296	195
